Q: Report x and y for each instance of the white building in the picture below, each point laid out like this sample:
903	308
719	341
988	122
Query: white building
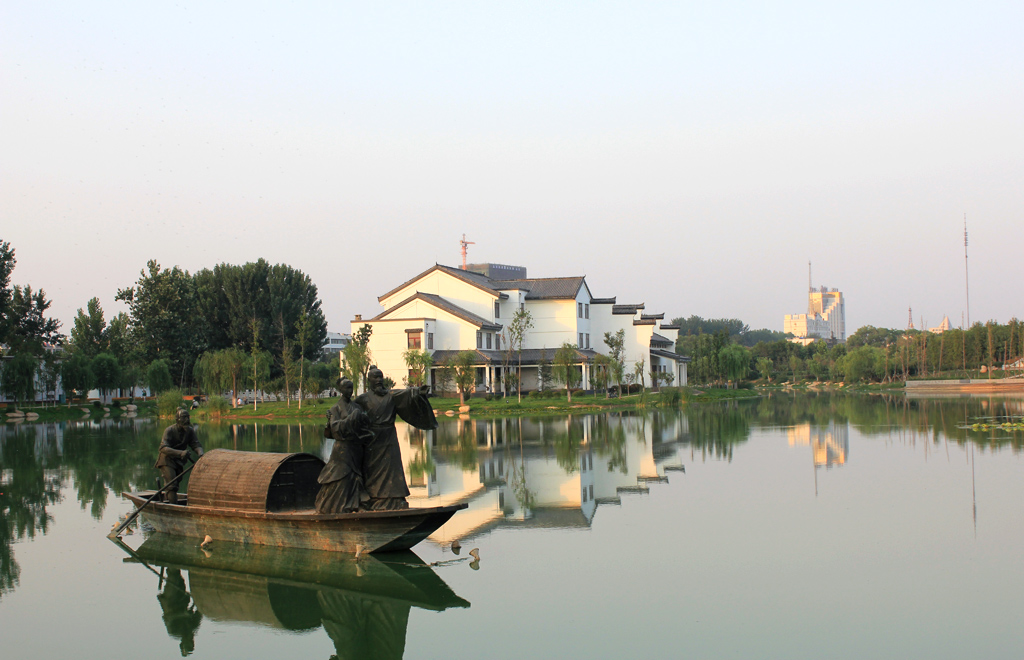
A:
446	310
825	318
335	343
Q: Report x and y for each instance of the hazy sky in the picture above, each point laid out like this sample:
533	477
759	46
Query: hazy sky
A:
692	156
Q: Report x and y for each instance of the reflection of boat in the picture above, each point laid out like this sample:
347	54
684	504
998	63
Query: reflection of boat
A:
267	499
363	605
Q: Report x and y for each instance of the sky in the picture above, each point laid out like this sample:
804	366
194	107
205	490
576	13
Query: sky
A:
692	156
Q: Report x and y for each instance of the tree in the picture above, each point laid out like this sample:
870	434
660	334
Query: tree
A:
638	372
564	367
465	374
232	361
106	372
521	323
89	333
18	377
418	363
304	334
259	362
543	371
357	356
75	375
287	363
164	316
617	354
602	373
25	327
734	361
158	377
764	367
444	375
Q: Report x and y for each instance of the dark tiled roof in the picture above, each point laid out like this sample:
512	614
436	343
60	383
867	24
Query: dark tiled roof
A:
546	288
602	301
476	279
626	309
442	304
657	317
659	340
531	356
669	326
644	322
669	355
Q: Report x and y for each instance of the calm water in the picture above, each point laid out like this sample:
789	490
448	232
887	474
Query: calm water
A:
814	526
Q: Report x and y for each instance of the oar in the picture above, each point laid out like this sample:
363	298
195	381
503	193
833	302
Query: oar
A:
116	532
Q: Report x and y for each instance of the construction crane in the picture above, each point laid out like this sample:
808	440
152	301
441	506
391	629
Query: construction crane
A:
464	243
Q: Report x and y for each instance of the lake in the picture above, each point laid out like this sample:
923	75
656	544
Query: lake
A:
813	525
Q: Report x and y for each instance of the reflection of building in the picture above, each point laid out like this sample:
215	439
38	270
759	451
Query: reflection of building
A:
565	470
829	444
825	318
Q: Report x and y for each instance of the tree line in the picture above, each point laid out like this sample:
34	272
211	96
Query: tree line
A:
869	355
257	324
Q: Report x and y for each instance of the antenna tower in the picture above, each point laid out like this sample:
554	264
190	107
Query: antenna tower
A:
910	318
967	283
464	243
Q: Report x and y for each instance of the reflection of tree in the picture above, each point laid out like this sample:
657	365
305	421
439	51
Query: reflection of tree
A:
457	441
567	445
28	484
364	628
716	428
609	441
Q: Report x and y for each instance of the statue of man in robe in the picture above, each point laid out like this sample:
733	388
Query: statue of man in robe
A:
383	474
341	480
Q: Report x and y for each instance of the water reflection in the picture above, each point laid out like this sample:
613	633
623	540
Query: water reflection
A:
522	472
362	606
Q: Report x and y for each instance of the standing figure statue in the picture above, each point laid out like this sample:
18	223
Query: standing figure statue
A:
382	458
174	446
341	480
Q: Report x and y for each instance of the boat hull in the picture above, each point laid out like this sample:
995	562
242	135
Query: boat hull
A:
372	531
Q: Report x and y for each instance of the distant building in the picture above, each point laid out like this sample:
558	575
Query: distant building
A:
825	318
942	327
334	344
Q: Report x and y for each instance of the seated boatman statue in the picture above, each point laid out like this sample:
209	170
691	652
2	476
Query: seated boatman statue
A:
174	446
383	474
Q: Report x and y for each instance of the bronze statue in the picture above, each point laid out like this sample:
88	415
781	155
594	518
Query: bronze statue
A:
382	458
341	481
174	446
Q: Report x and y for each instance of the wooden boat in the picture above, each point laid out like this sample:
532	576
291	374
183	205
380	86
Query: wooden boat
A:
267	499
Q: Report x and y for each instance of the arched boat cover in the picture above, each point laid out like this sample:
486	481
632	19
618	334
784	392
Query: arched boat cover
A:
254	481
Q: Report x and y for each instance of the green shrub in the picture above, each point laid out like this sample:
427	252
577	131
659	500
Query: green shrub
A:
168	402
671	396
97	404
217	406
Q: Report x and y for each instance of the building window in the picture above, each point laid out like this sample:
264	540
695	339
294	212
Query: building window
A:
488	340
497	342
497	309
479	339
415	340
587	337
579	310
581	341
430	341
586	311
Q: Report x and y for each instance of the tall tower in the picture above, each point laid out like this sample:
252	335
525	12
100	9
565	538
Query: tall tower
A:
967	283
910	318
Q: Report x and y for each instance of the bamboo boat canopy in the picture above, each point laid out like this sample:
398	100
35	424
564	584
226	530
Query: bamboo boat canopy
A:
250	481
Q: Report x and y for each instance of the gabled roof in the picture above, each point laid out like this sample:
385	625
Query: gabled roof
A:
644	322
444	305
659	340
669	355
481	282
546	288
648	317
627	309
669	326
602	301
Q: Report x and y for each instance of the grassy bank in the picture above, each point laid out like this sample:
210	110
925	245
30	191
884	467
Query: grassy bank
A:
315	411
